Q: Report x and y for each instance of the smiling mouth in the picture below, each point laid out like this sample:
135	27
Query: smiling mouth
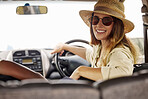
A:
100	31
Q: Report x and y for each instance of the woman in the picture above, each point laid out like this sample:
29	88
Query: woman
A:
113	54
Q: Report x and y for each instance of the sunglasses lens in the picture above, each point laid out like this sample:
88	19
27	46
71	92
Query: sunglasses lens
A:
107	21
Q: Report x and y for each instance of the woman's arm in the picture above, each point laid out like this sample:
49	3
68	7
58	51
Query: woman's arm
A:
87	72
17	71
75	50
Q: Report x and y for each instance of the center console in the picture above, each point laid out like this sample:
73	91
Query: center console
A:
29	58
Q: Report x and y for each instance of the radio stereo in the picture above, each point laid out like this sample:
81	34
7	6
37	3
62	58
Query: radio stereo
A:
33	62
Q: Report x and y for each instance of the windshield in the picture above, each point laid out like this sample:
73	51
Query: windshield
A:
61	23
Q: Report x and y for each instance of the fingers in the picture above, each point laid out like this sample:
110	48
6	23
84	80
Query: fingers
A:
55	51
58	49
61	52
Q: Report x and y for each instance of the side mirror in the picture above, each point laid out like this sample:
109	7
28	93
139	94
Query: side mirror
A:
29	10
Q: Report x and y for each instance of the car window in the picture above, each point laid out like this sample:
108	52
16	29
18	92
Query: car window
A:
61	23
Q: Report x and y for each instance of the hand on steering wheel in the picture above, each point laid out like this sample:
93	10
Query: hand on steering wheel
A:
73	61
58	48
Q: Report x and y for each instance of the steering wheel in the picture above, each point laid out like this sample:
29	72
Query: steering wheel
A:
67	64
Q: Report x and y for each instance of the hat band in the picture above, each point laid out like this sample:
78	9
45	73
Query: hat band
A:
101	8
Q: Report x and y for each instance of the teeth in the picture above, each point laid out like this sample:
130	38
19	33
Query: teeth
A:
100	31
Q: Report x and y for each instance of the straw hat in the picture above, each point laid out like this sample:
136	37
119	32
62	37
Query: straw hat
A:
110	7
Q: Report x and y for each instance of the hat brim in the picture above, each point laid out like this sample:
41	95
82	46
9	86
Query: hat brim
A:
86	14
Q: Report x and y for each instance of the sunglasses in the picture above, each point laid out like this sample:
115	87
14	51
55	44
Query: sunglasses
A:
107	21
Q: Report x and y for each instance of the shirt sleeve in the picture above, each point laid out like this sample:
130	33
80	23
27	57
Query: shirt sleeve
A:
120	63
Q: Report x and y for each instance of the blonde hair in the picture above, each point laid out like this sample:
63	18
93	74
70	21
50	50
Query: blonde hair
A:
116	37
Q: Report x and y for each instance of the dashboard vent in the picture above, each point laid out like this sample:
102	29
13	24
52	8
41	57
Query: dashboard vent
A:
19	53
33	52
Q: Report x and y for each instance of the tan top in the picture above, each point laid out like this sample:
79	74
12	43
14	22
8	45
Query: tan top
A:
119	62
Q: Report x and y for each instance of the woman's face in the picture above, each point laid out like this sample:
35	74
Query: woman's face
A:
100	30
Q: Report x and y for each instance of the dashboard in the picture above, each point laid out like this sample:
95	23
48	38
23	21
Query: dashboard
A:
35	59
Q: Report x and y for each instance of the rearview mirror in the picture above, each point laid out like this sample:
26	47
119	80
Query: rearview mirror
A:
28	10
